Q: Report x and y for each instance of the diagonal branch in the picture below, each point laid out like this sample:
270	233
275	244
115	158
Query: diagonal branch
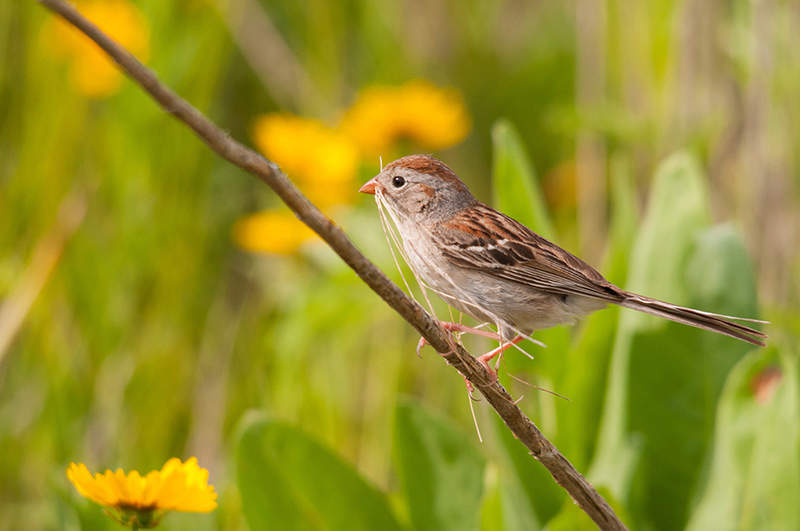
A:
581	491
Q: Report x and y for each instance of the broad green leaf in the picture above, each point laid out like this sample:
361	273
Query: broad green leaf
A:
584	385
514	181
677	183
673	395
289	481
754	480
677	209
505	505
518	515
543	493
665	378
492	509
440	469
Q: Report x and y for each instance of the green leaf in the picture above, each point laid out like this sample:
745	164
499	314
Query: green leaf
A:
665	377
289	481
440	469
584	385
513	181
492	509
505	505
542	492
754	480
677	209
677	183
518	515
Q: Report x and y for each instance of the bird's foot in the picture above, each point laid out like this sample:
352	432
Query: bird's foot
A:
458	327
486	358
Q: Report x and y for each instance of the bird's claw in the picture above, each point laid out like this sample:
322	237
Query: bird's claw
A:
485	358
420	344
457	327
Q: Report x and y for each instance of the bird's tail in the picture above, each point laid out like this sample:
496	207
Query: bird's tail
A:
722	324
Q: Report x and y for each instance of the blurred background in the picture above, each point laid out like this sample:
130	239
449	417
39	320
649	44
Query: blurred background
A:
151	294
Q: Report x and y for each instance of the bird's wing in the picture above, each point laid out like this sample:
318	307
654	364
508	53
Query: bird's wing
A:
484	239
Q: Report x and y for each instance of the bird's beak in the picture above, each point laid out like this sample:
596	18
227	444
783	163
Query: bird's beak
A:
369	186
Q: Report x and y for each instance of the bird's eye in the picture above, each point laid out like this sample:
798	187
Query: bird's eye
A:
398	181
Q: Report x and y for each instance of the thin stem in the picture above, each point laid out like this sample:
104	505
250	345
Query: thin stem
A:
581	491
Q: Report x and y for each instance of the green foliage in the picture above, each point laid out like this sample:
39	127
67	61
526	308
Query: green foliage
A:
506	506
289	481
543	495
513	181
440	470
666	378
754	477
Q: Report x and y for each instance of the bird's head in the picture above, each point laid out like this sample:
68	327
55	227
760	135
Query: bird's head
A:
421	188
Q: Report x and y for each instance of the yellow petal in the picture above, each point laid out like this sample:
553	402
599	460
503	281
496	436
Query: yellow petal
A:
184	487
271	231
316	156
432	117
177	486
92	72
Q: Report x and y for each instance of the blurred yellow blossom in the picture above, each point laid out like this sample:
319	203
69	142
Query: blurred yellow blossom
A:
271	231
322	160
140	502
92	72
433	117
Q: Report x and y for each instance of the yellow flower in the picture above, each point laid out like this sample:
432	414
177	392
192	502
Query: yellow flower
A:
139	501
322	160
91	71
433	117
271	231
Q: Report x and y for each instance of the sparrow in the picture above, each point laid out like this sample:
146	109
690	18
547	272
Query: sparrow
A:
492	267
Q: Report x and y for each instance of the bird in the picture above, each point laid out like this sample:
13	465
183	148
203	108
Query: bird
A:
492	267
